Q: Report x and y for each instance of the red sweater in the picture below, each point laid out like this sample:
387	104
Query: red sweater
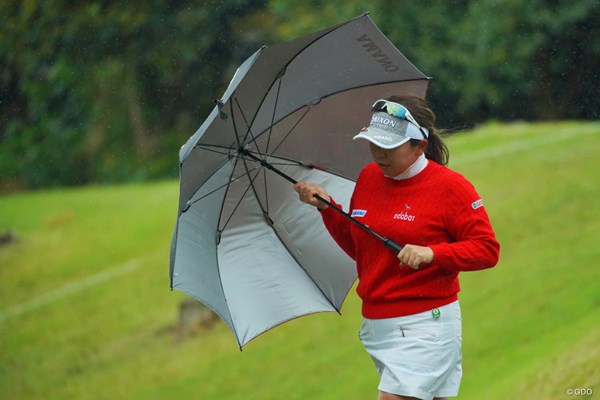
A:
438	208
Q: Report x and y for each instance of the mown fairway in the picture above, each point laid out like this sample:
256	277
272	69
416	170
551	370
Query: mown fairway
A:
86	311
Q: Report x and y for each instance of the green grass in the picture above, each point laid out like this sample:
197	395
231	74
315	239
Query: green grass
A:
86	312
542	299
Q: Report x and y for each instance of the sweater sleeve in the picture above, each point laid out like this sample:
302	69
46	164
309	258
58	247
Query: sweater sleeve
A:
339	228
474	245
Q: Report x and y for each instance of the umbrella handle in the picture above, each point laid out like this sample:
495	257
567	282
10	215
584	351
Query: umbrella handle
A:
395	247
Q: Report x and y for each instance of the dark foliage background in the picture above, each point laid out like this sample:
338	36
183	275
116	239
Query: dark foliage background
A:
108	91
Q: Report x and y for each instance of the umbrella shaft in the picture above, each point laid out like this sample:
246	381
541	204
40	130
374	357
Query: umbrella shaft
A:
265	164
389	243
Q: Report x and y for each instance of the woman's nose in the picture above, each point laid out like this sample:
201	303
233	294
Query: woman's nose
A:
380	154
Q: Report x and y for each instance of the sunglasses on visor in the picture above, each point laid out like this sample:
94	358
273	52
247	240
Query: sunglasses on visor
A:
398	111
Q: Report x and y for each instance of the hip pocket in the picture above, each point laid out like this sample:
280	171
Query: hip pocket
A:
420	332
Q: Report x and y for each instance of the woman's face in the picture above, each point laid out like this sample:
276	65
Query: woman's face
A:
393	162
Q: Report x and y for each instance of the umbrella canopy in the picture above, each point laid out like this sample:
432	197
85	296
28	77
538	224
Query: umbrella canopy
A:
244	244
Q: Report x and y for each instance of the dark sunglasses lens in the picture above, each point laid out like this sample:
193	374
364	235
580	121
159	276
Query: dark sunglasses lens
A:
379	106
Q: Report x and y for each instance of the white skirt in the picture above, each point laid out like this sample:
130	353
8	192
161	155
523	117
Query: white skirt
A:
418	355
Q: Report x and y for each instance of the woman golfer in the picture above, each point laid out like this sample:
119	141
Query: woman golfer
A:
411	317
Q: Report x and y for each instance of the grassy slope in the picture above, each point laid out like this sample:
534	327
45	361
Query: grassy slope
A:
535	309
85	310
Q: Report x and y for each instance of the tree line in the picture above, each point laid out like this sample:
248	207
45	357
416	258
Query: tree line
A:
107	91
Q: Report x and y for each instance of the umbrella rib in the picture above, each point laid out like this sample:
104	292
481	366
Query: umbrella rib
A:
235	130
266	151
262	155
284	161
226	151
250	185
249	129
224	185
263	208
273	115
291	162
291	130
266	209
243	158
266	189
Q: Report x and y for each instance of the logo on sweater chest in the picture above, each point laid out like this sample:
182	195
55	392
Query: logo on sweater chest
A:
405	215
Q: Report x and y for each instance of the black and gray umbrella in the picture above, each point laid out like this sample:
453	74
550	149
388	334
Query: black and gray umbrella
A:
244	244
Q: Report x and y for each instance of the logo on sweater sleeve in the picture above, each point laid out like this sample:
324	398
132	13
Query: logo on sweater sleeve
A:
358	213
477	204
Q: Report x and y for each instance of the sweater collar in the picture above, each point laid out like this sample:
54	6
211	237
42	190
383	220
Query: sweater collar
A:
416	167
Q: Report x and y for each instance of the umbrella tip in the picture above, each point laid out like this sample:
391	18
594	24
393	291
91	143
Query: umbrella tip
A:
220	105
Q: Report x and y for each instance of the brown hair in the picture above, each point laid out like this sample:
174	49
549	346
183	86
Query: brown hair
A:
436	149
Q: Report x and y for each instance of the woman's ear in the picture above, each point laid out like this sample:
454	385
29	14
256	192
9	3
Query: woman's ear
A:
422	146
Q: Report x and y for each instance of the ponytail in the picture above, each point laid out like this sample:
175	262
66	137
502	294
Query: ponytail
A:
436	149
